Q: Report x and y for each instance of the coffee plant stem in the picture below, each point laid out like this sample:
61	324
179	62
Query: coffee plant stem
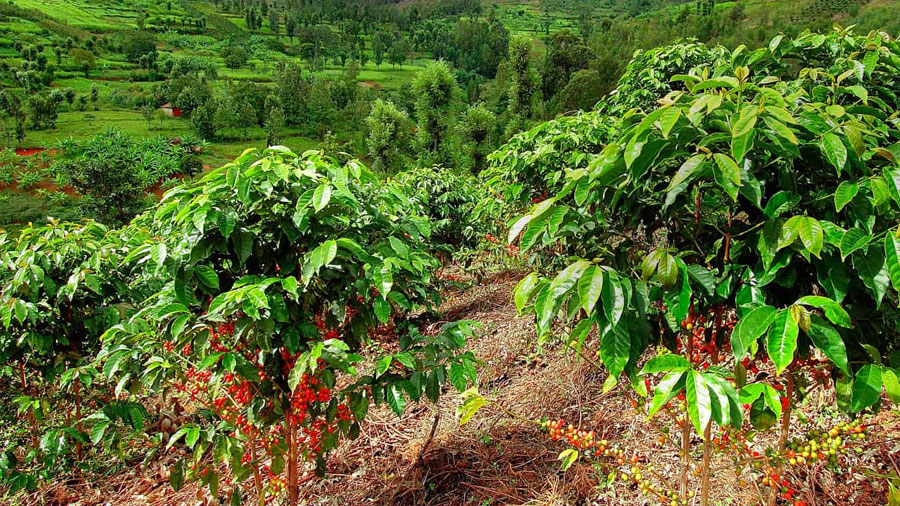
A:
257	479
77	388
704	490
707	432
728	238
686	426
697	214
585	357
786	415
785	426
293	486
434	426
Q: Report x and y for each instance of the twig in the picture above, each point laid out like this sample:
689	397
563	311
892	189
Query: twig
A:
434	426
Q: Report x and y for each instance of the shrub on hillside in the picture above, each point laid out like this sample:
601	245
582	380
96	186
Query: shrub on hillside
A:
748	223
648	76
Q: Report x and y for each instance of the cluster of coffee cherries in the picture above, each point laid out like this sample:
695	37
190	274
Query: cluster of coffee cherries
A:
510	249
823	445
309	391
586	442
704	350
239	390
817	446
538	198
217	332
196	383
782	487
276	484
240	423
750	365
819	369
453	278
324	331
579	439
733	440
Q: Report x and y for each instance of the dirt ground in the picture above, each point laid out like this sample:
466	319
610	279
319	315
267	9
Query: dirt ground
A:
499	459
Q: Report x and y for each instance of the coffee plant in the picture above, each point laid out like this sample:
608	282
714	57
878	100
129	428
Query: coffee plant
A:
58	292
748	222
448	200
648	76
282	269
530	164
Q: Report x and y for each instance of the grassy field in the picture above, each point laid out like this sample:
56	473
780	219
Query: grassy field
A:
113	73
77	124
101	15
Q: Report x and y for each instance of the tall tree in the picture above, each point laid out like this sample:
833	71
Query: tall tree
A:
476	128
566	54
290	26
274	22
389	136
525	81
378	47
437	95
399	51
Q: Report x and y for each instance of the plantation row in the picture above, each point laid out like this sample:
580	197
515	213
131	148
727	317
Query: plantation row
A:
721	234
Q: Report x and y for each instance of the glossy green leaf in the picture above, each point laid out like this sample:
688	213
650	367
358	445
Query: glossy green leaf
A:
811	235
667	388
665	363
690	169
827	339
524	291
727	174
891	384
743	133
458	376
853	240
590	287
615	349
567	457
866	388
835	151
892	259
833	311
699	404
321	197
396	399
207	275
750	328
781	342
844	194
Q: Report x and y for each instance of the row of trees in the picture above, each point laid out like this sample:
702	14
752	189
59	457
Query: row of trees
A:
207	301
743	223
449	132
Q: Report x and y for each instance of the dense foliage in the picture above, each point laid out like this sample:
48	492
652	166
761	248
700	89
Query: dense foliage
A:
113	170
449	201
60	291
247	297
765	192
